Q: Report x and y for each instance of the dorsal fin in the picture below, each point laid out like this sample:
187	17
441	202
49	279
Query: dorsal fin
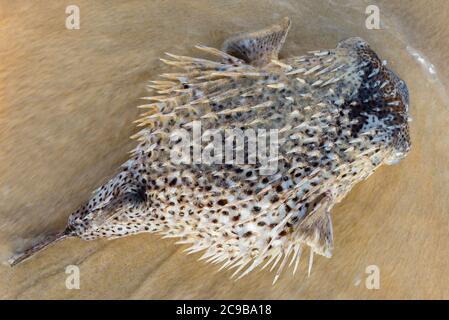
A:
260	47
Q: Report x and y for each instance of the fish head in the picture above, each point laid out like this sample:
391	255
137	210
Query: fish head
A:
383	96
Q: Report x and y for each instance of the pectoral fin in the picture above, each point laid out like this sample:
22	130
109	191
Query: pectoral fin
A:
316	229
128	200
260	47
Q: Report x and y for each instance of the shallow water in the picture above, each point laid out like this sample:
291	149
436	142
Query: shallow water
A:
67	102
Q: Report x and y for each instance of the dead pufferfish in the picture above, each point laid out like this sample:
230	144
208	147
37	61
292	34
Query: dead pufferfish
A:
339	115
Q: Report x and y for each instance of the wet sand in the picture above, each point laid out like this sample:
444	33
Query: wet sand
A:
67	102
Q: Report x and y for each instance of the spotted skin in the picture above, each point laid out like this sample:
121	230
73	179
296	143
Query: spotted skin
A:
340	114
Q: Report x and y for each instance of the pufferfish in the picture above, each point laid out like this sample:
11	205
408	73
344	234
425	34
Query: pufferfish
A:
338	114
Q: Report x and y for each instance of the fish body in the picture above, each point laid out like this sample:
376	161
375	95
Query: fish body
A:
334	117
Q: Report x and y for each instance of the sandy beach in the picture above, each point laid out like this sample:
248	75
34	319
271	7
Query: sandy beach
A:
68	101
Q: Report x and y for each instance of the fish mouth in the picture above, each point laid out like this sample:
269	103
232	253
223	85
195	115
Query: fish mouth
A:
396	158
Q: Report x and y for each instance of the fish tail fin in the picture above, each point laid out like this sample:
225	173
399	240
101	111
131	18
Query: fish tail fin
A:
45	243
